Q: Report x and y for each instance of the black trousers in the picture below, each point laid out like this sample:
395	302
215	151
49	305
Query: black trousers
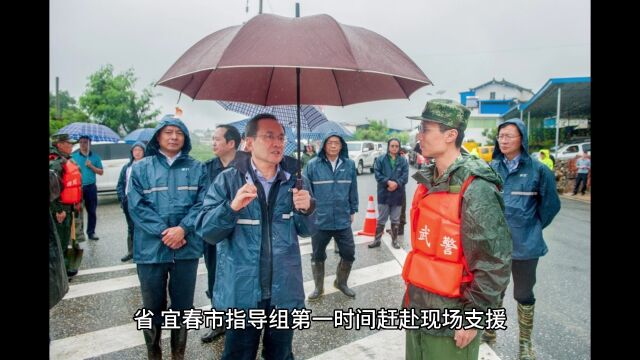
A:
344	240
524	278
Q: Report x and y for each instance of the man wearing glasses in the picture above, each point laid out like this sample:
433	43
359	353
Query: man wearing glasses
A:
254	213
531	202
333	181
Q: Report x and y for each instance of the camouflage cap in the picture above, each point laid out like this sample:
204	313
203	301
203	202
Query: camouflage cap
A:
444	111
56	138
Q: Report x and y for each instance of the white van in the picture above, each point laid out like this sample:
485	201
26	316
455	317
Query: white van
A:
570	151
114	156
364	153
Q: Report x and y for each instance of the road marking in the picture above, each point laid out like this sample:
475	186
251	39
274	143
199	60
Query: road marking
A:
386	345
126	336
125	282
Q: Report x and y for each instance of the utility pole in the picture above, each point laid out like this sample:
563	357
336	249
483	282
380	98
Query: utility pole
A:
57	99
260	8
297	9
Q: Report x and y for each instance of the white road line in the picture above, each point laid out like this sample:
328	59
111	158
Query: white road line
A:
385	345
125	282
126	336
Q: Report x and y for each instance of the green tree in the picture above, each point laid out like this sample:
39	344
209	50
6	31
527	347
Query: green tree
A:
491	135
377	131
111	100
402	136
69	112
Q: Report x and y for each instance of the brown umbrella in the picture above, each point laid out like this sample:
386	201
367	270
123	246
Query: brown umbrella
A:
276	60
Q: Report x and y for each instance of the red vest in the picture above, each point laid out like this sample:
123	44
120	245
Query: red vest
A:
71	182
436	262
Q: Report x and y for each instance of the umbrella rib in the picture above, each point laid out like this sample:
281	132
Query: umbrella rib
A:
266	98
335	79
401	88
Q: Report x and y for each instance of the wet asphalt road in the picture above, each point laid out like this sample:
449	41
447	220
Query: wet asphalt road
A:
562	320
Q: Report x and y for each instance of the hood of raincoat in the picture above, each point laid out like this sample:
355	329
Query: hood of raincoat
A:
153	148
344	152
139	144
497	154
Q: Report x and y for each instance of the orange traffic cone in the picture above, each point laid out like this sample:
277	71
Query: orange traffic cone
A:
370	220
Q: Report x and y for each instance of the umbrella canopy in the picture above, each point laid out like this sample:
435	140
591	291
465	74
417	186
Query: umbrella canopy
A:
95	132
332	126
276	60
142	134
310	116
256	63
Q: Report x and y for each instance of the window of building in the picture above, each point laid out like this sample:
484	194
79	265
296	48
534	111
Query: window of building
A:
492	96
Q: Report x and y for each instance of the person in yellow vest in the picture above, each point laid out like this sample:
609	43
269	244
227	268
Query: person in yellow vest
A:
459	236
546	159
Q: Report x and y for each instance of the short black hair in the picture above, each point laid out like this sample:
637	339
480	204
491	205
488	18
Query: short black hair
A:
460	137
251	130
84	137
231	134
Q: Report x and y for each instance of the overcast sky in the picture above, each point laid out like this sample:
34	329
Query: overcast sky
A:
458	44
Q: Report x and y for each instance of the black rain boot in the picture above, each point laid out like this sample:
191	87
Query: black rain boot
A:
129	255
394	236
178	343
152	340
342	275
401	229
212	334
376	242
317	268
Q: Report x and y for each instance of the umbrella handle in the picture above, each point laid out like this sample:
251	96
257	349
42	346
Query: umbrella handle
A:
299	182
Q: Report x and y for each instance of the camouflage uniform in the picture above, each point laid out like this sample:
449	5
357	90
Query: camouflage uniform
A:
486	242
55	206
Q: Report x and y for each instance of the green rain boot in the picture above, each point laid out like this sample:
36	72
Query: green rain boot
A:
525	321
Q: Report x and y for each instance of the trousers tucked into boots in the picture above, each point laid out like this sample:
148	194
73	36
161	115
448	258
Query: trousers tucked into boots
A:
344	268
317	268
394	235
376	242
525	321
152	340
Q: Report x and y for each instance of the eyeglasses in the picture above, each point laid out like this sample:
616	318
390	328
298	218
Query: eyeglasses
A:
507	137
270	138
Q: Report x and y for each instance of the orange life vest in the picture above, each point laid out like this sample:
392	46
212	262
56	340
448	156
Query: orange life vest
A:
71	182
436	262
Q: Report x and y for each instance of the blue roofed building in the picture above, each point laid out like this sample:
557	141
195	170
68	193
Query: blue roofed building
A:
487	102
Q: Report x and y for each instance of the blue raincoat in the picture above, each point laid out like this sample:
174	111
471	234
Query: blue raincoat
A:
336	193
530	197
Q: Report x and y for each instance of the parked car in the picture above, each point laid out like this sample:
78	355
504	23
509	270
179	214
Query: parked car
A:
364	153
485	153
570	151
114	156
